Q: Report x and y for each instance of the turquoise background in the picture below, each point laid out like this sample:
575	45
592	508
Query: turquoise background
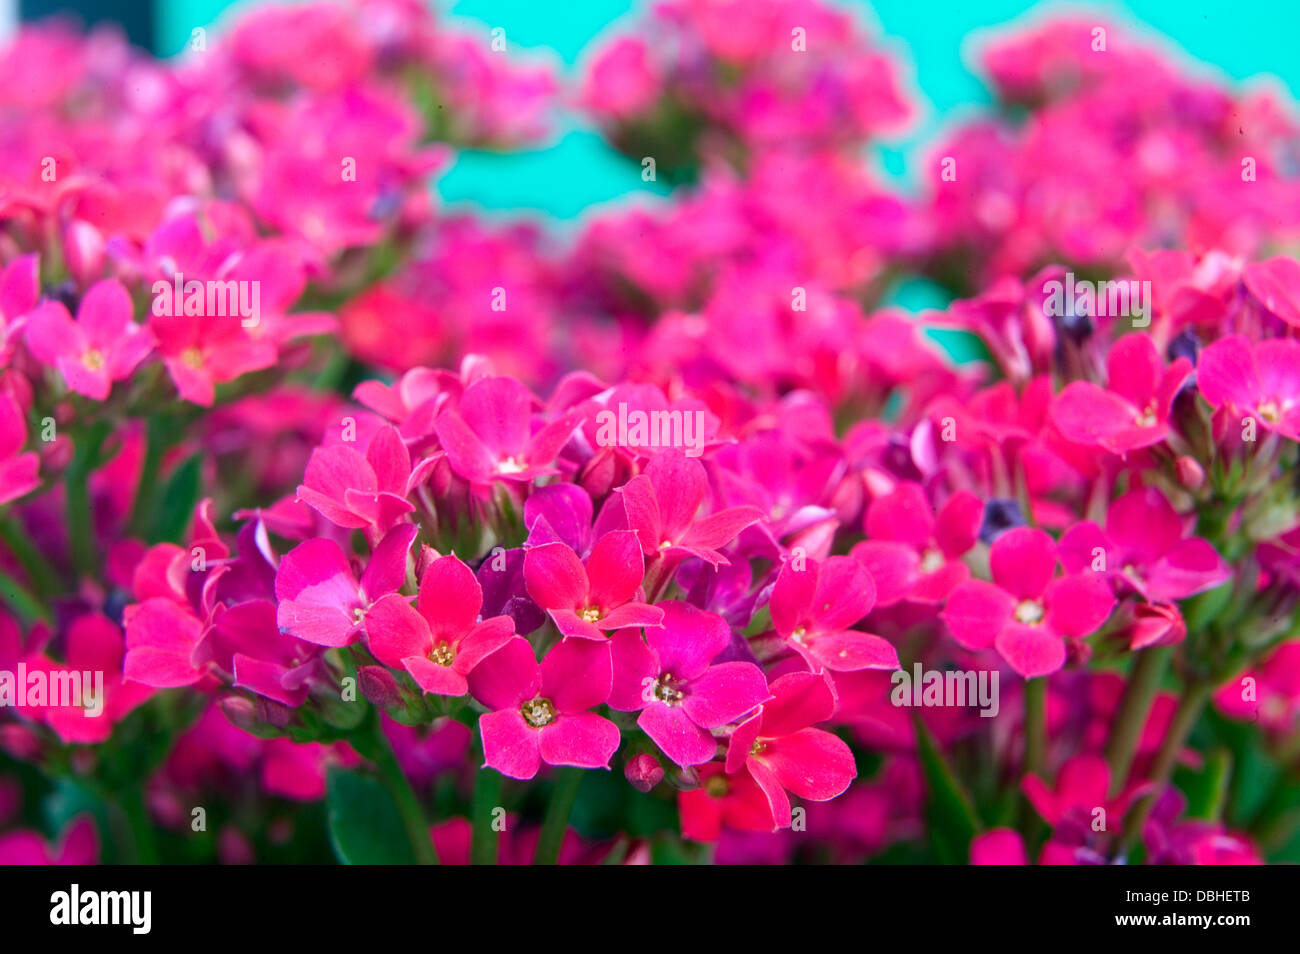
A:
1241	39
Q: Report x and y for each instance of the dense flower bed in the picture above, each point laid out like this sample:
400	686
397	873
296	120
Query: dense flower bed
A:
390	534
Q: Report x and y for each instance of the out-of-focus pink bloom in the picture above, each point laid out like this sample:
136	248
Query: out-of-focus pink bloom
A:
78	845
103	345
998	846
1268	693
18	470
1261	380
914	553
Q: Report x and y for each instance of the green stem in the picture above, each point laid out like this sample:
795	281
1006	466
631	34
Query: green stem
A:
144	846
556	822
487	798
21	600
81	524
417	829
1035	725
37	567
1189	709
156	442
1143	681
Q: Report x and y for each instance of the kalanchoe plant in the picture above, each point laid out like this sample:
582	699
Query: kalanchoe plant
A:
668	542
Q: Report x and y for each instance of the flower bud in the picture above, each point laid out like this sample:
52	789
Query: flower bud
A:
1190	472
643	772
378	686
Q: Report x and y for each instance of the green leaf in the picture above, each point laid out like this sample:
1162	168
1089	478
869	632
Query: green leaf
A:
178	499
365	824
949	815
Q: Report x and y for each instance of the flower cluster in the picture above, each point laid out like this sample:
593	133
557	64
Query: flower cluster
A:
310	491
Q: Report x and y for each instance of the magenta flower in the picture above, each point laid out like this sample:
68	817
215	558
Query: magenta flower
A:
998	846
783	753
540	710
601	595
681	693
358	490
663	504
1133	410
19	292
441	640
488	436
1261	381
912	552
201	352
1024	612
1144	546
319	598
19	471
813	608
103	345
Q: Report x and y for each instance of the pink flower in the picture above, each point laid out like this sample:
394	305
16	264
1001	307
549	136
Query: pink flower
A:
540	710
681	693
19	472
662	506
103	345
813	608
356	490
320	600
735	801
441	641
1134	411
1024	612
201	352
94	645
1144	546
912	552
998	846
602	595
19	291
78	845
488	436
1260	381
781	750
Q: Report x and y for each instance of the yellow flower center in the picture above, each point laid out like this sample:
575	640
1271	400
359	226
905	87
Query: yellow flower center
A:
538	712
590	614
1030	612
93	360
192	357
443	655
665	690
